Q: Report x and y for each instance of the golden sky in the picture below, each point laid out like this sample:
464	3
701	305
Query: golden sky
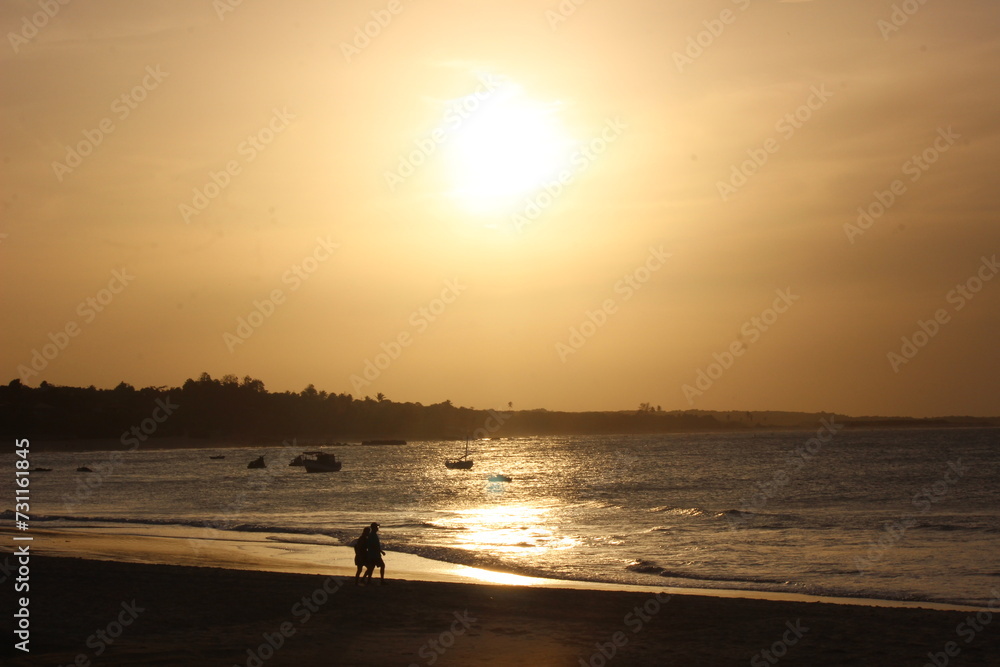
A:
564	205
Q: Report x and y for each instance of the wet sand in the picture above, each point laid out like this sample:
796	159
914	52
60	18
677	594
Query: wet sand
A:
115	613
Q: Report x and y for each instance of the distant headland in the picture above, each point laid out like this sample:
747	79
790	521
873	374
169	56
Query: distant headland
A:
229	411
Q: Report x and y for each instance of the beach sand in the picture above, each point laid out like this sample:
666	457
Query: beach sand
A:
183	615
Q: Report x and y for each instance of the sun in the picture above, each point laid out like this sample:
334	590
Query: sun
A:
503	147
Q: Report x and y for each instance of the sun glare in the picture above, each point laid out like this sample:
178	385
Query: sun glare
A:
505	578
505	147
512	530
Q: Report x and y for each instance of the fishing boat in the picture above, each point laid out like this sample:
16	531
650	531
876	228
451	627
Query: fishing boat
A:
257	463
321	462
500	478
462	463
301	459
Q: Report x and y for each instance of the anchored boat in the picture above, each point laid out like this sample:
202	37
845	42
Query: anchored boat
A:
463	463
321	462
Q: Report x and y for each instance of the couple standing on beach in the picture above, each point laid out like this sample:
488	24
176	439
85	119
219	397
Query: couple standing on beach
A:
368	553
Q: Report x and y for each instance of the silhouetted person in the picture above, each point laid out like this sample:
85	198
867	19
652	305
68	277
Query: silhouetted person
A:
375	554
361	553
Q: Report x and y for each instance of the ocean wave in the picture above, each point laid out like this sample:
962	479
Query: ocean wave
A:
9	514
679	511
943	527
209	524
764	520
674	574
731	514
951	527
650	567
644	567
303	539
425	524
458	556
948	527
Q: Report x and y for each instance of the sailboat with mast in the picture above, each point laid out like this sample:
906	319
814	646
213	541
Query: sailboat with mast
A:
462	463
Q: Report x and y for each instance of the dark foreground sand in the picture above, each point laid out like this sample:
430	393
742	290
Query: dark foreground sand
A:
168	615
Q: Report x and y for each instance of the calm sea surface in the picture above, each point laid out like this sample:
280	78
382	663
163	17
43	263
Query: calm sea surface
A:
886	514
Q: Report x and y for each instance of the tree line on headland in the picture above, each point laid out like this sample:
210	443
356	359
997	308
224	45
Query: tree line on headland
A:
214	412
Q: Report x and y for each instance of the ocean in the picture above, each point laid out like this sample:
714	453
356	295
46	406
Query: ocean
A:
888	514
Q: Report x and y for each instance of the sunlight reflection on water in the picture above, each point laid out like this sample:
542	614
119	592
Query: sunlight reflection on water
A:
520	530
630	509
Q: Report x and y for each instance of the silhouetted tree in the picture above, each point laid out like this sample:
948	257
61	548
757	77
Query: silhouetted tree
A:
252	385
242	411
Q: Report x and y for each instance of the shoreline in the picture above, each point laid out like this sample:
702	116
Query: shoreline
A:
121	613
208	548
